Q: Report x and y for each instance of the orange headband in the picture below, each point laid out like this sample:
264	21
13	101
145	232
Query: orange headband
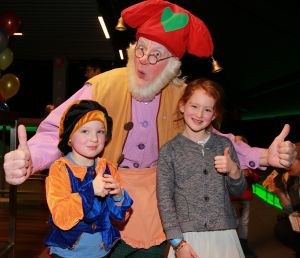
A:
90	116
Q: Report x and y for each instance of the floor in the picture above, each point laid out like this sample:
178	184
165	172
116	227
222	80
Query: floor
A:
32	225
261	237
32	216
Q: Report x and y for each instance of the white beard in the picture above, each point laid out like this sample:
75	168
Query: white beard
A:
148	92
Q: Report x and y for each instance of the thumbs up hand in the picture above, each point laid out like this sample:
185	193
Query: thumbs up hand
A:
99	185
17	163
281	153
225	165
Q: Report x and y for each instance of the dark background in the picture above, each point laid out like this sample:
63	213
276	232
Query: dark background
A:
257	43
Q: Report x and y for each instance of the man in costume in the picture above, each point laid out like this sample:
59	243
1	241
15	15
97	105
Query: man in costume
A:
141	99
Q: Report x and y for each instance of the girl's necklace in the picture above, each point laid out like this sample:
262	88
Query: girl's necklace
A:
205	139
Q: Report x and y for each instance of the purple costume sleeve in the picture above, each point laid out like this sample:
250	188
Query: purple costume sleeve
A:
43	145
248	156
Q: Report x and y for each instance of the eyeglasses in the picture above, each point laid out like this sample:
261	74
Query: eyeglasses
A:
152	58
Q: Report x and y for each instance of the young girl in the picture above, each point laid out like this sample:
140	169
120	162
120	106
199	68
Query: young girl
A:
83	191
197	171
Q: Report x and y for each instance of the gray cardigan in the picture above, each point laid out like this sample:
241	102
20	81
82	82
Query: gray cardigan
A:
192	195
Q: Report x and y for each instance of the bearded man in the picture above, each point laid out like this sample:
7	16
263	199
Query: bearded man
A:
142	99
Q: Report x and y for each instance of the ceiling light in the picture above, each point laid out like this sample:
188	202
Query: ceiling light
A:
103	26
121	54
18	34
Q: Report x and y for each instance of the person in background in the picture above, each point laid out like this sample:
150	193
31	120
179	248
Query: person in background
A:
93	68
84	191
142	100
288	193
197	172
49	108
242	203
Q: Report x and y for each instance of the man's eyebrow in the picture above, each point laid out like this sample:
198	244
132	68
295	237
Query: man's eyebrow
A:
160	48
156	48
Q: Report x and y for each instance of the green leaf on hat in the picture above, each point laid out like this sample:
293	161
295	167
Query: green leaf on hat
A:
173	21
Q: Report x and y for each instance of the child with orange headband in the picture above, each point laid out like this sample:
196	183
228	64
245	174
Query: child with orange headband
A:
84	191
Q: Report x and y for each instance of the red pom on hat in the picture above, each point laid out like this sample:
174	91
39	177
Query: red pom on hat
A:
170	25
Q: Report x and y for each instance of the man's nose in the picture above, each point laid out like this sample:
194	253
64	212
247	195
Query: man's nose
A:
144	60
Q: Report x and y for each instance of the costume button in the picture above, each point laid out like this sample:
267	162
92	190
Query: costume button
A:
94	226
206	198
205	172
145	124
92	173
252	164
128	126
136	165
141	146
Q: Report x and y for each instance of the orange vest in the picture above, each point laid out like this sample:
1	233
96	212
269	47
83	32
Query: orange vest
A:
110	89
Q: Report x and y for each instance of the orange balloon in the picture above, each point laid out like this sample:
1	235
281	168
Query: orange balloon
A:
9	85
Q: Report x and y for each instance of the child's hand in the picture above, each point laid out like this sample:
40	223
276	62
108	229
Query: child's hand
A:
186	252
112	185
99	186
224	164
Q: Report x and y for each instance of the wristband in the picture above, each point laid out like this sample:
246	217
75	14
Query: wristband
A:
179	246
118	199
175	241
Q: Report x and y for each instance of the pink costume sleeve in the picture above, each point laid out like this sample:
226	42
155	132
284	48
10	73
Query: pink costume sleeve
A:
248	156
43	145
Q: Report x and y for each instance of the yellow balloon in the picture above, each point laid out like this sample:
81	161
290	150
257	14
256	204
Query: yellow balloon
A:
6	58
9	85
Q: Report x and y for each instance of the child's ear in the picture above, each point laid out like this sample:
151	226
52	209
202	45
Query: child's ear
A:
214	116
181	107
